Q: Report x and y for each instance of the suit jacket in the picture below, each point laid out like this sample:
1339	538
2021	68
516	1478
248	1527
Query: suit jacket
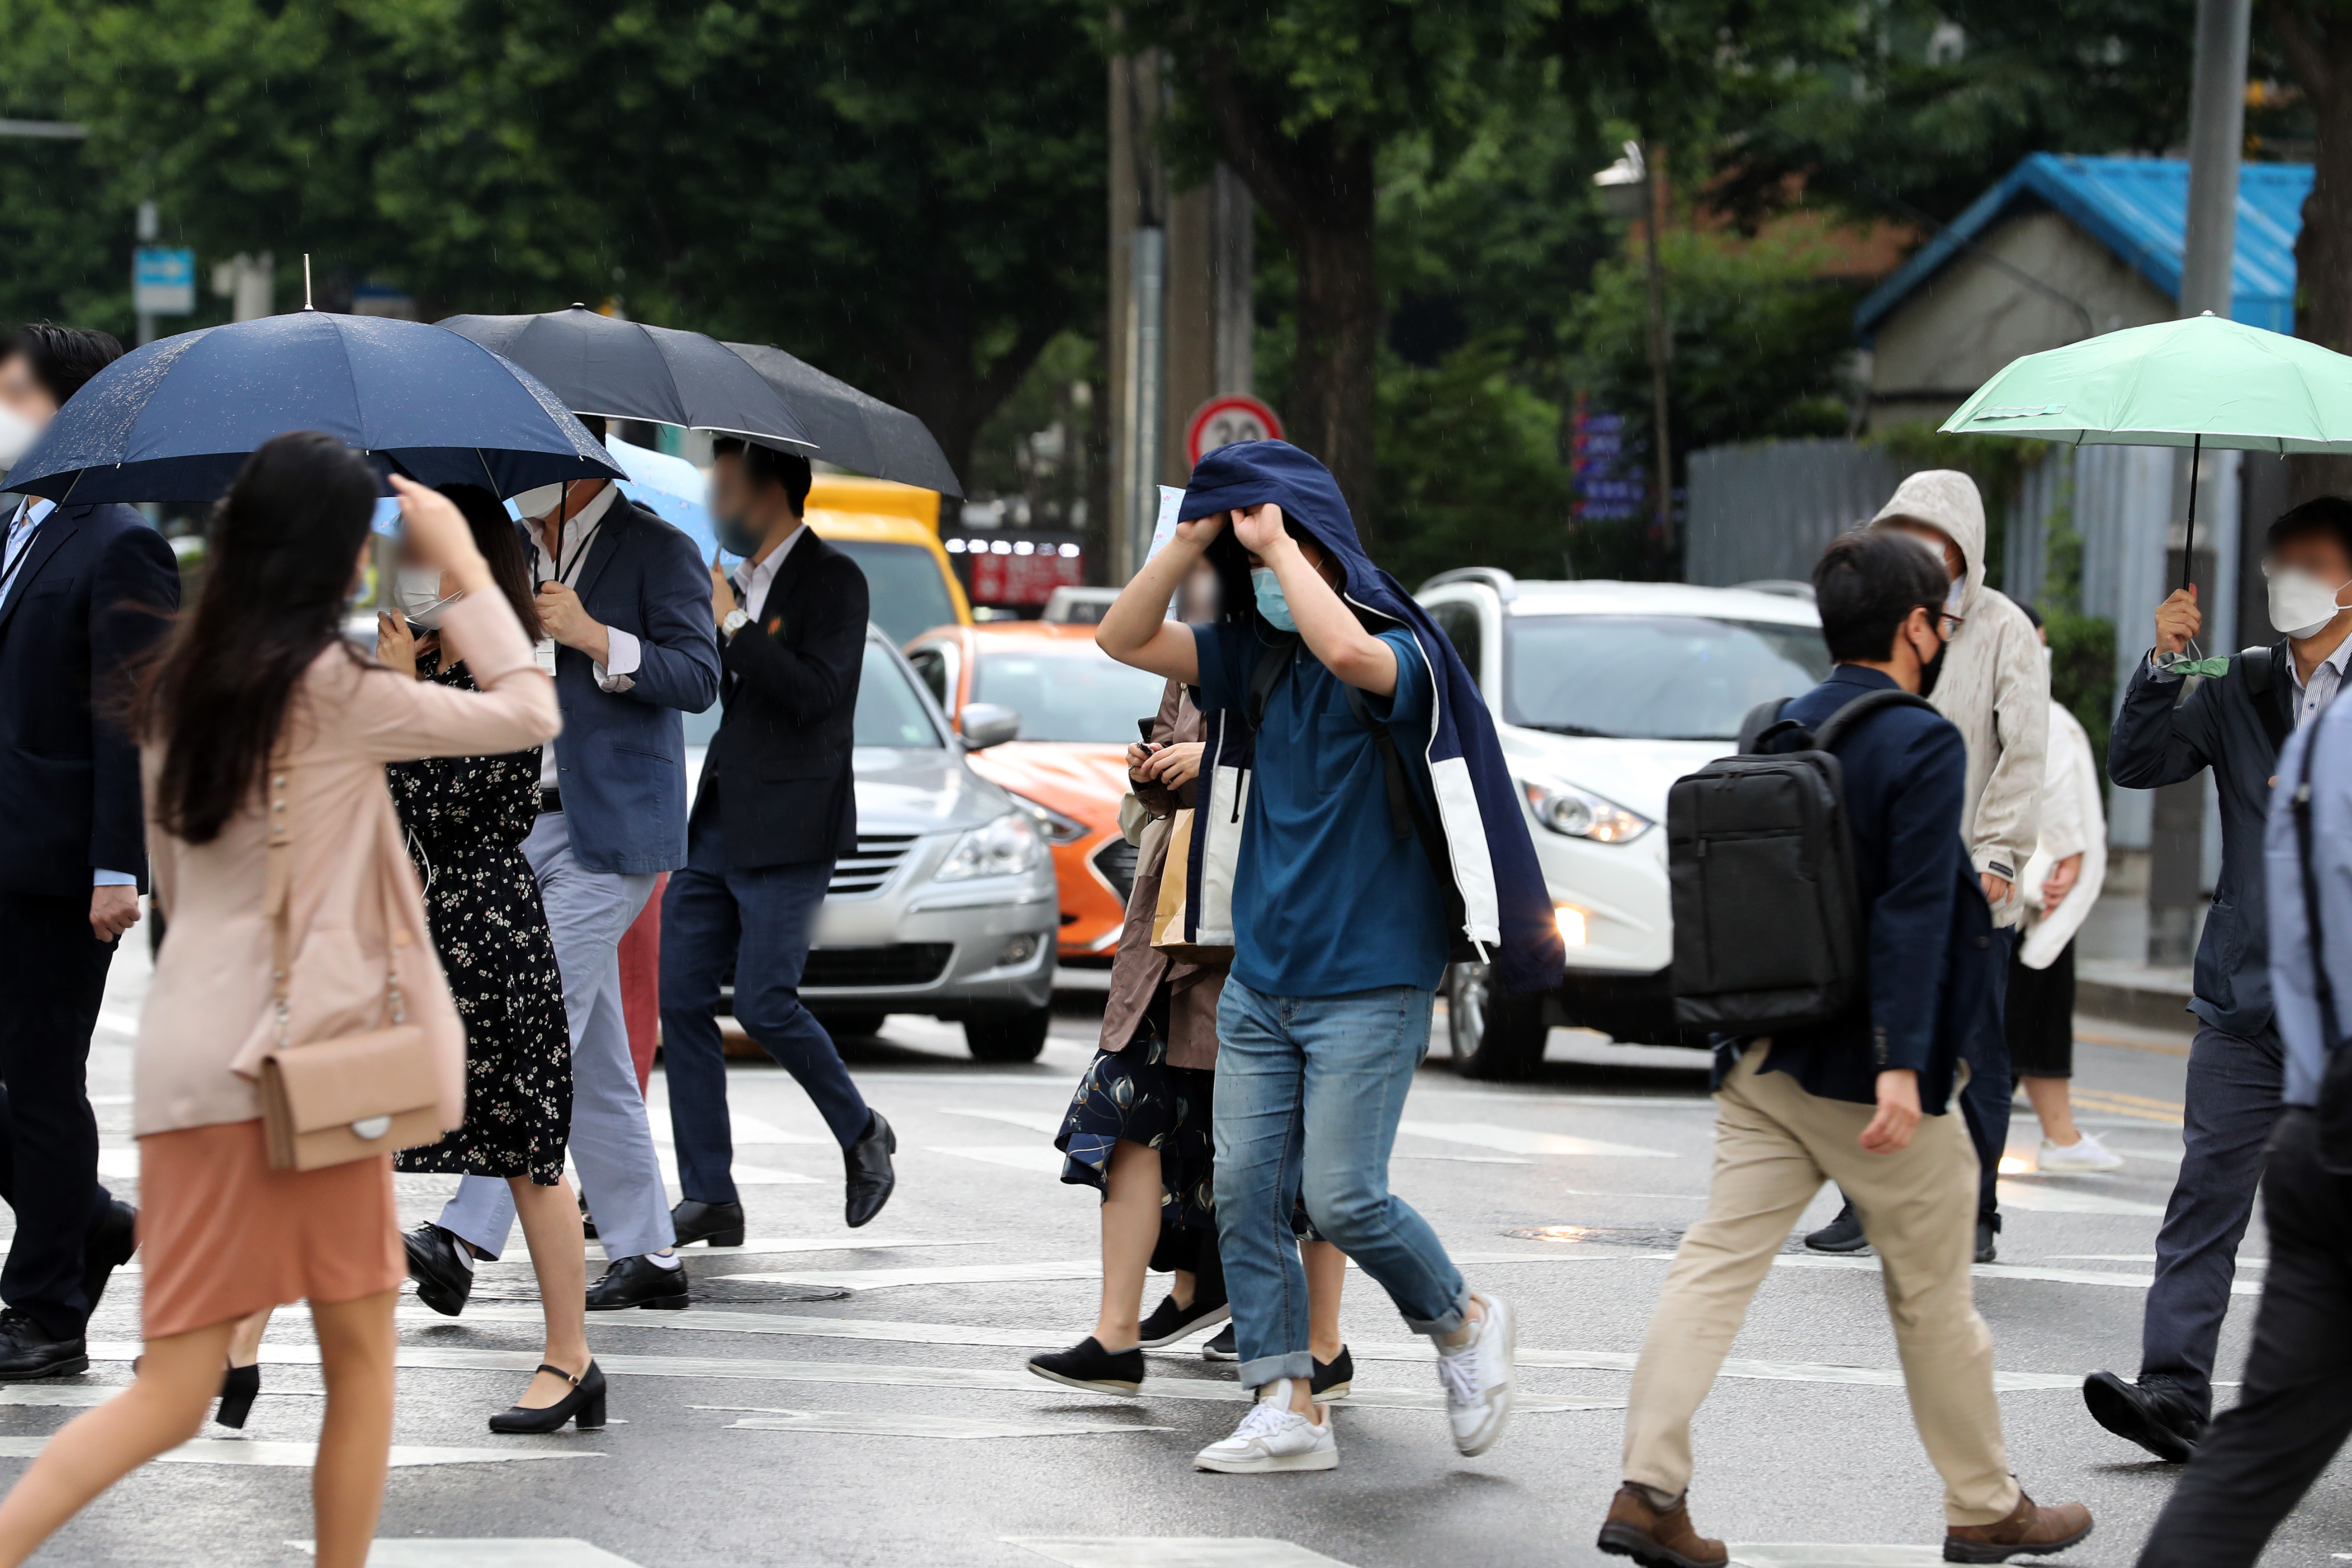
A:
621	759
1929	931
779	769
2232	724
94	589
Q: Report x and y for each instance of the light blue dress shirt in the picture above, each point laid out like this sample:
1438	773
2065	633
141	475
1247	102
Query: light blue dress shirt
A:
2329	740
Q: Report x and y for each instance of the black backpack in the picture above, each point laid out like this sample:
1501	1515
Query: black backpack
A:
1759	858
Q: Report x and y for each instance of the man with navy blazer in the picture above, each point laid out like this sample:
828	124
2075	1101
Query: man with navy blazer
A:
84	591
627	605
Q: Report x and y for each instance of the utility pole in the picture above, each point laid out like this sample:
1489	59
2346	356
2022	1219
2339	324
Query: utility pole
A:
1139	236
1662	348
2217	133
147	229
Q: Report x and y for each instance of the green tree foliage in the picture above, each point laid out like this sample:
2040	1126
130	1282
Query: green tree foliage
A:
1469	472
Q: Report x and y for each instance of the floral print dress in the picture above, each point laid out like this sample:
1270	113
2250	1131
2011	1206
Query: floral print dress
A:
466	818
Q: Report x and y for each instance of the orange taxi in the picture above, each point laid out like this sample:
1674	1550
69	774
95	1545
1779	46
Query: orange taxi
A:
1068	767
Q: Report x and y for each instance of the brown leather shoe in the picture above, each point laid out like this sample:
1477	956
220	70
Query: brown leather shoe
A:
2030	1526
1657	1540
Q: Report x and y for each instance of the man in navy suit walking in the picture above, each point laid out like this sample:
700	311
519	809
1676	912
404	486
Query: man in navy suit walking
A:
84	590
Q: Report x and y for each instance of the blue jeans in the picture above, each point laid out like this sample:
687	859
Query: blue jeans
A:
1309	1092
758	922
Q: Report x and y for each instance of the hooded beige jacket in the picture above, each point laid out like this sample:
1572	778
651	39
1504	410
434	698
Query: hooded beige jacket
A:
1994	686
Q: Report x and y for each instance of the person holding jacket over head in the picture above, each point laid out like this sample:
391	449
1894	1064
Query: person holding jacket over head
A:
264	737
1992	682
625	609
2235	723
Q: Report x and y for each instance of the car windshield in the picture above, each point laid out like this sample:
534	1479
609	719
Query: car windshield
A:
890	710
1651	678
904	593
1073	692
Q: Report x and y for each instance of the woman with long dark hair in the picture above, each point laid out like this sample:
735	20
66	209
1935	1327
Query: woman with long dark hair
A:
259	721
464	819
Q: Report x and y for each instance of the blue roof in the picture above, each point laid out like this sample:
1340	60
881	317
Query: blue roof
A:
2139	208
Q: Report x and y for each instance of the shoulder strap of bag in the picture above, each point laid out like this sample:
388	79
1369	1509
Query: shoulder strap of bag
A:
1765	716
278	899
2261	668
2321	987
1827	737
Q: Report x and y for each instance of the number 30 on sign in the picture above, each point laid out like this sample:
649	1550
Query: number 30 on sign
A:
1221	421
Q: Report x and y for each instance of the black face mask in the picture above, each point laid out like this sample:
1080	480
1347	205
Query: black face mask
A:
1933	668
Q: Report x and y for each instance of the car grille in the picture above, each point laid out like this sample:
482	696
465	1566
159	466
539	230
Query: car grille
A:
903	964
1116	861
869	865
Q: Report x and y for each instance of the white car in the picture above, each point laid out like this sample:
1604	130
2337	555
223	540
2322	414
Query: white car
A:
1603	694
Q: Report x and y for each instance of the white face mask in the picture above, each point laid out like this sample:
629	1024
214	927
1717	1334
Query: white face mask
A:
17	435
417	591
2300	603
539	500
1952	594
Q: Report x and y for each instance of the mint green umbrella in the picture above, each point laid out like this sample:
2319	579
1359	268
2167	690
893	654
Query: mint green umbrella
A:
2196	383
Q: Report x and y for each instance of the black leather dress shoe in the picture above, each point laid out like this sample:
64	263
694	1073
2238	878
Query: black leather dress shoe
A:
1988	1245
1842	1235
2156	1413
871	1176
27	1351
639	1282
443	1281
720	1225
113	1235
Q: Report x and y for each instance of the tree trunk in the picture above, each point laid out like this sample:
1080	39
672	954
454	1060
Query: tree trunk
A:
2318	49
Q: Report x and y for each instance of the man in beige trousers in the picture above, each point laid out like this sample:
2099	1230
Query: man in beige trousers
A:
1863	1100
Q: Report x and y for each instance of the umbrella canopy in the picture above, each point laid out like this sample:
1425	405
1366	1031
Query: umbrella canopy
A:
2198	381
627	370
853	430
174	420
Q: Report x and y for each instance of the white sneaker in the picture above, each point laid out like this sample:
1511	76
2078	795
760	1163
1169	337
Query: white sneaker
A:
2087	1154
1273	1436
1478	1379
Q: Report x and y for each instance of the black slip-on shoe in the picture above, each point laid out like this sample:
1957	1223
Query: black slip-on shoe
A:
1169	1322
1988	1234
1220	1346
27	1351
1842	1235
1333	1378
639	1282
1087	1365
111	1239
871	1175
720	1225
443	1281
2155	1413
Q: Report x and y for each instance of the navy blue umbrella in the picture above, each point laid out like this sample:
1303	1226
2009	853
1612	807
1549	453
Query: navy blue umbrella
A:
174	420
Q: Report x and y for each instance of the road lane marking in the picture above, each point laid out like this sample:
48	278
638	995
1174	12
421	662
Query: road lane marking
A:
883	1423
1048	1122
2144	1258
1019	1156
745	1175
264	1452
483	1552
1467	1159
2006	1272
745	1128
1172	1552
1518	1141
2070	1200
1075	1268
1757	1554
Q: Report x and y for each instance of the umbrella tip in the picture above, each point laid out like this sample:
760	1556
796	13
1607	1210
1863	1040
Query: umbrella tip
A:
2204	312
306	281
578	306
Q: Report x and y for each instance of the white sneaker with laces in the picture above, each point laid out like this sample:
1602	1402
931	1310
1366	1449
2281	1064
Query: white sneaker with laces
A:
1478	1379
2085	1154
1273	1436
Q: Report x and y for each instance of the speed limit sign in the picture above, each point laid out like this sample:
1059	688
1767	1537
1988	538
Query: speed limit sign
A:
1221	421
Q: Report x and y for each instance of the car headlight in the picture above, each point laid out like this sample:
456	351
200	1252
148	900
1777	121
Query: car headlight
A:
1007	846
1058	828
1580	814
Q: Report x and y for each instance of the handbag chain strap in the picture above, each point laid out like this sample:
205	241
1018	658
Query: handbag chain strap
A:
279	897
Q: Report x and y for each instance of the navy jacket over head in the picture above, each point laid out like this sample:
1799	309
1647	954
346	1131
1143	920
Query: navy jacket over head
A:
2224	723
1507	910
1928	930
95	586
621	759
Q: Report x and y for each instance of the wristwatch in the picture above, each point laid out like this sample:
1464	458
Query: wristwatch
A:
735	622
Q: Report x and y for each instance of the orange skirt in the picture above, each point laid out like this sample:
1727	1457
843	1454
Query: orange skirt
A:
222	1235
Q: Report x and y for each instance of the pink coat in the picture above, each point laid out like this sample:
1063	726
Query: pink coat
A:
208	1018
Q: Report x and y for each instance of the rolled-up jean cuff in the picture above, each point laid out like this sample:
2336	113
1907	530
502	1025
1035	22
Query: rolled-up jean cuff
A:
1266	1368
1449	1324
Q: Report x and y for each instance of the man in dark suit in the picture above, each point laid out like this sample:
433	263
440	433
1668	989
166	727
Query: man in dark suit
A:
778	806
2235	723
84	590
625	605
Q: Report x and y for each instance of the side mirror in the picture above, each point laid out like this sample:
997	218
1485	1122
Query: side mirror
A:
986	724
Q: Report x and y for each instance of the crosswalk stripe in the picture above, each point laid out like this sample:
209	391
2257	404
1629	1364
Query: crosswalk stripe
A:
258	1451
1172	1552
1076	1269
483	1552
2034	1197
1019	1156
1048	1122
2007	1271
1754	1554
884	1423
1517	1140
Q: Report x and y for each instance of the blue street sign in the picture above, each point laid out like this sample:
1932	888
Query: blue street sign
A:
163	280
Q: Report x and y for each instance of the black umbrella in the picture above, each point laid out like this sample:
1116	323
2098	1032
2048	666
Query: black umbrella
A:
627	370
853	430
175	419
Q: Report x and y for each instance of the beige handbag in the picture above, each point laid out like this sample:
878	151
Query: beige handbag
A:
1167	915
331	1102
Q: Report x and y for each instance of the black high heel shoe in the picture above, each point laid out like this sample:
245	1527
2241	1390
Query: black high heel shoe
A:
585	1404
238	1387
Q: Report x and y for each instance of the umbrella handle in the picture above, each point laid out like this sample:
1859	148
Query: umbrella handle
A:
2189	540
